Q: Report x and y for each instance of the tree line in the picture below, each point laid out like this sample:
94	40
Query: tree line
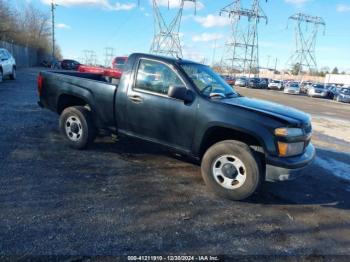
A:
28	27
296	68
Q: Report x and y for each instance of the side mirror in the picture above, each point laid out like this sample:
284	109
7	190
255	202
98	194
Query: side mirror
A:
181	93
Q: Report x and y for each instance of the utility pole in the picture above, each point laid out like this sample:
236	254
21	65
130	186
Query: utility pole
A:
268	61
53	7
214	52
276	64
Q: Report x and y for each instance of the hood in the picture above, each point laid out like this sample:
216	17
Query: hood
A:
283	113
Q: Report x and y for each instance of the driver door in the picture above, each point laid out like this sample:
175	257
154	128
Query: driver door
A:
152	114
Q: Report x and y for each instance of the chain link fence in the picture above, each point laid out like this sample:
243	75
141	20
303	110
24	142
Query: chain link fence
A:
25	56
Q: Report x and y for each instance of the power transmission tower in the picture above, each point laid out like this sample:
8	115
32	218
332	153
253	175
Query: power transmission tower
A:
166	40
305	41
109	55
89	57
241	53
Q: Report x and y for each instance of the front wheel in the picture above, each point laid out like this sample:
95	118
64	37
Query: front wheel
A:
13	75
231	170
77	125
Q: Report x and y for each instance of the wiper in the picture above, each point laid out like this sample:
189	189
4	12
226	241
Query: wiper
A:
211	95
231	94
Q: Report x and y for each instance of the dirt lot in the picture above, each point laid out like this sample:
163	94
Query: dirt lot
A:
131	198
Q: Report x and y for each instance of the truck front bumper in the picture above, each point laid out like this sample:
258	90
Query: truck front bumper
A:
281	169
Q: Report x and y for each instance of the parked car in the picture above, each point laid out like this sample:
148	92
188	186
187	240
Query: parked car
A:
111	75
68	64
318	90
275	84
333	91
292	88
119	62
254	83
229	80
187	107
304	86
343	95
242	82
264	83
7	65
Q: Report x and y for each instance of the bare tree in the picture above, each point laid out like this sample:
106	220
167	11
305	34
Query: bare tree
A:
30	27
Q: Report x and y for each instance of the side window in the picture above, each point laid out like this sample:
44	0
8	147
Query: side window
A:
156	77
2	54
6	54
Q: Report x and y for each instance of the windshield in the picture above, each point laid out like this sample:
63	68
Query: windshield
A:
275	81
207	81
319	86
119	63
345	91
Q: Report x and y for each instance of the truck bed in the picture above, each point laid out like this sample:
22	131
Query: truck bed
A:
93	89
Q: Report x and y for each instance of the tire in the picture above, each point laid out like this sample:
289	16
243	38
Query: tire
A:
77	126
247	169
13	75
1	75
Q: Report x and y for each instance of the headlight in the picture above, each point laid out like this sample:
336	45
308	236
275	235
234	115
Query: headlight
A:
290	149
288	132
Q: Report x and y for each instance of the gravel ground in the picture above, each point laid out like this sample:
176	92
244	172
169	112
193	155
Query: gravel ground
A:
129	197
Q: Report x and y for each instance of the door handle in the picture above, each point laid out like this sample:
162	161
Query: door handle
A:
136	99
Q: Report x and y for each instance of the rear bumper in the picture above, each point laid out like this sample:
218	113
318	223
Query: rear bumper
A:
292	92
281	169
343	99
318	95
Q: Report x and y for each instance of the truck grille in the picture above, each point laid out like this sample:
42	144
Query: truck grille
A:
308	131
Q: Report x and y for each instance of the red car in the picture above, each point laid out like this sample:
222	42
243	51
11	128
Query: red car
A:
229	80
119	62
110	73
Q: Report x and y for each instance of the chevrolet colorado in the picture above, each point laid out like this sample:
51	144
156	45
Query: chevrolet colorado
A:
185	106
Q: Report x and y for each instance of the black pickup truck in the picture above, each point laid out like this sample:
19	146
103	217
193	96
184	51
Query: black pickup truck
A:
185	106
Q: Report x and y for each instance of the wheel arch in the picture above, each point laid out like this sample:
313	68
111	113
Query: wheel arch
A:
68	100
216	134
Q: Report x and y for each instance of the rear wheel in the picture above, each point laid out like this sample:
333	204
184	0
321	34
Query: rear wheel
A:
77	125
231	170
1	75
13	74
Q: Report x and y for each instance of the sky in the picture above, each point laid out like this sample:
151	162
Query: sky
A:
128	26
